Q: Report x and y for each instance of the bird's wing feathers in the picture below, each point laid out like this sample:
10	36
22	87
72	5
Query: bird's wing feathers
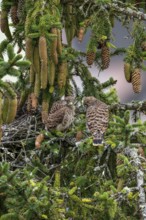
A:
68	117
91	117
55	118
57	106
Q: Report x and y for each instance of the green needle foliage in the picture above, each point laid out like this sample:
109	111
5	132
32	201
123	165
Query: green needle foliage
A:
12	67
63	176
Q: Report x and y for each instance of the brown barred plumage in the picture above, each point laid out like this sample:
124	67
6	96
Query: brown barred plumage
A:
61	115
57	105
97	116
136	80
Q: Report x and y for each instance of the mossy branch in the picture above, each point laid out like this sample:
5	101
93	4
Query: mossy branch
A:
135	105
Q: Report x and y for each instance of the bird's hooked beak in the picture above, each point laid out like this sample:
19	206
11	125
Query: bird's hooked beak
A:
70	103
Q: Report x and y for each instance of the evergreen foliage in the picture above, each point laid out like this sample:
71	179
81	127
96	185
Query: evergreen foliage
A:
64	176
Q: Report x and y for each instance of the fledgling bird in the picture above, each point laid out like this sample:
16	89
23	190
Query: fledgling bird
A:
61	115
97	117
57	105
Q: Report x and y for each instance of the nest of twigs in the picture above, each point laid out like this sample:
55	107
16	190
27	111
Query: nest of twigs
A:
20	133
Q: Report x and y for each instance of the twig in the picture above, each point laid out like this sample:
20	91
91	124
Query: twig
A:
18	141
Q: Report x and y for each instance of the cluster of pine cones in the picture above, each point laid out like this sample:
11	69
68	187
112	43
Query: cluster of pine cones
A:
91	54
105	56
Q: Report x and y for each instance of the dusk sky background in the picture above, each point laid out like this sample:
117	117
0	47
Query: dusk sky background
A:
115	70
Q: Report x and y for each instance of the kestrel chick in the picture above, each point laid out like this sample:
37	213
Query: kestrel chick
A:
61	115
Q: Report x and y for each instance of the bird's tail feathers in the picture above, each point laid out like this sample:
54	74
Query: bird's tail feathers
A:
97	139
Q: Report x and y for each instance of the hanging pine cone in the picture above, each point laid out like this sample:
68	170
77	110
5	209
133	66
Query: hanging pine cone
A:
143	46
105	57
90	57
13	14
127	72
136	80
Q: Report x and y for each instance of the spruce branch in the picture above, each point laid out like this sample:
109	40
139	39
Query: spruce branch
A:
140	179
139	106
132	12
123	8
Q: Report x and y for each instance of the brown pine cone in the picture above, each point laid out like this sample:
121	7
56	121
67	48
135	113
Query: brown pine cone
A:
136	80
90	57
105	57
